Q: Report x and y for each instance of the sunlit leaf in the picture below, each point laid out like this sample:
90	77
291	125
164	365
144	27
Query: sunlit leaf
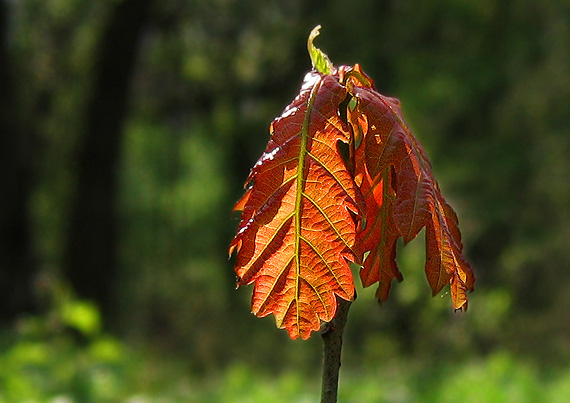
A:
297	231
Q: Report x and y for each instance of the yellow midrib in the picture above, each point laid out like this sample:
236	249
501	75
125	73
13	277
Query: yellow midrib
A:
300	188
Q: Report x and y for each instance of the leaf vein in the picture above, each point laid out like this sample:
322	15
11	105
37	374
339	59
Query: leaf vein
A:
331	224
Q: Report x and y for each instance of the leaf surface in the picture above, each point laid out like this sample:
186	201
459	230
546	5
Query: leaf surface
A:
297	232
378	233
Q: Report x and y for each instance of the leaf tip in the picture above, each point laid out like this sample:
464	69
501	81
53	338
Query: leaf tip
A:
319	59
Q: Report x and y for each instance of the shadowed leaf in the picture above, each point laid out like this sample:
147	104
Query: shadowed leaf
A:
409	201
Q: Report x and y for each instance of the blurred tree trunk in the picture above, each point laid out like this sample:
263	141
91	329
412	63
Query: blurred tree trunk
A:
17	267
91	255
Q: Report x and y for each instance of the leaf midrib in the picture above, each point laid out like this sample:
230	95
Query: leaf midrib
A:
300	188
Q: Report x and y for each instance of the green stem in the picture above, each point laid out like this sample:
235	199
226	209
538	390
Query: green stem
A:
332	347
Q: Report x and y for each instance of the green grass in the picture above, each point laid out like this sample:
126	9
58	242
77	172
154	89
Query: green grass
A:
43	372
65	357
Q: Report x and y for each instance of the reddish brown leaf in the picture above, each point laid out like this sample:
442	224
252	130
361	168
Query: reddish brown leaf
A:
297	231
417	202
378	232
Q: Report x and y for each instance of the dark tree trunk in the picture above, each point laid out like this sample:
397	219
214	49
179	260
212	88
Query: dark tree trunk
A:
91	256
17	268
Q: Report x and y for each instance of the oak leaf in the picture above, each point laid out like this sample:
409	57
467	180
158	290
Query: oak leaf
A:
298	227
402	196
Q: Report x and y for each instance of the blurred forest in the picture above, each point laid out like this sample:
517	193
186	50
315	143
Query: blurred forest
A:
129	126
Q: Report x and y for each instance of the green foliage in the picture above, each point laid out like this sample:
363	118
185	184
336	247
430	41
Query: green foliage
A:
63	354
500	378
53	358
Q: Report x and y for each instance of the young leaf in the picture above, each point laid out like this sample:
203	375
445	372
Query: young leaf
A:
319	59
396	167
298	227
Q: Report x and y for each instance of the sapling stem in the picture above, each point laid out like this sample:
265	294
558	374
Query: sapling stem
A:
332	347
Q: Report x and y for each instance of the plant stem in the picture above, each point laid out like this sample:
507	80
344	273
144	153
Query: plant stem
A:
332	347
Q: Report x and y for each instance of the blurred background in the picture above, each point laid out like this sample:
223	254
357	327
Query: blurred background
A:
129	126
